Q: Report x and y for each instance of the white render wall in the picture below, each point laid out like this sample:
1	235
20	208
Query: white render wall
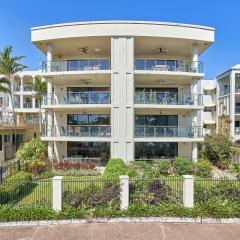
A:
122	98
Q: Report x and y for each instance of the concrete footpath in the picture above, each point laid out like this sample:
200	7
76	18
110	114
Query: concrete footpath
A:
113	231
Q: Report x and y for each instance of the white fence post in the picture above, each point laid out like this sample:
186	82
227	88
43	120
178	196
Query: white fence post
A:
124	192
188	191
57	193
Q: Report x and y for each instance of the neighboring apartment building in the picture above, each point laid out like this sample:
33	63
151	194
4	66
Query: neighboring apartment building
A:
123	89
27	110
228	94
208	89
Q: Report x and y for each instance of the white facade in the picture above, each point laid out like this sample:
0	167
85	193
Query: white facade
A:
26	109
228	93
120	87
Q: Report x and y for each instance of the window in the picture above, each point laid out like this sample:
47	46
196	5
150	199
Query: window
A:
88	119
1	142
89	150
156	120
155	150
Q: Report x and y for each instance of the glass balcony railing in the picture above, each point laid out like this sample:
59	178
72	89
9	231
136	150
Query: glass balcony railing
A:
27	105
27	88
224	91
167	98
78	131
98	97
168	131
168	65
76	65
31	120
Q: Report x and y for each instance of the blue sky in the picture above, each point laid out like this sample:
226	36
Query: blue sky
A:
17	17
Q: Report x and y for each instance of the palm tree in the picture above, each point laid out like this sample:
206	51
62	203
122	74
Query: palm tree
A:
40	88
9	66
4	86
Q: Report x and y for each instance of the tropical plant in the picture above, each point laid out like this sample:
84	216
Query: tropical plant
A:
40	88
4	86
9	66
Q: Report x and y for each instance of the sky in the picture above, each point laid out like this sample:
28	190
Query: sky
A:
18	16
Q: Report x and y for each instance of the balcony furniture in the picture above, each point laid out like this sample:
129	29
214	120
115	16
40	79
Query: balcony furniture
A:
160	67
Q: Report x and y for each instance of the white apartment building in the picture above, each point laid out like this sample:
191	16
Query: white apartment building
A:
208	90
228	94
123	89
26	108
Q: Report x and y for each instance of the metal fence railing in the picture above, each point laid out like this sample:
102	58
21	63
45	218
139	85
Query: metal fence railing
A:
92	192
155	191
34	192
225	189
9	169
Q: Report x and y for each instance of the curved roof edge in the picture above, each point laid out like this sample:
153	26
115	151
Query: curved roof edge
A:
123	22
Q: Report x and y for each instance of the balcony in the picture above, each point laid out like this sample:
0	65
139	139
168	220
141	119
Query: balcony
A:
168	65
78	131
31	120
168	131
237	109
98	97
76	65
27	105
27	89
167	98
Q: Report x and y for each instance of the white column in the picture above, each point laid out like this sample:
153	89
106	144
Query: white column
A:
195	57
33	102
49	57
194	151
232	105
124	192
57	193
50	150
188	191
122	97
21	84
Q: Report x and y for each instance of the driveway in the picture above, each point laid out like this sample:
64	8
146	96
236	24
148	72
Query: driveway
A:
133	231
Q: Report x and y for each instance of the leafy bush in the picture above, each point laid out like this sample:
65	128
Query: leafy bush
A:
151	192
33	156
75	172
115	168
66	165
217	149
94	196
13	186
225	191
203	169
183	166
161	167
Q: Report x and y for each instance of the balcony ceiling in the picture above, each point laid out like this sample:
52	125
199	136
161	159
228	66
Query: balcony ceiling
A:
149	36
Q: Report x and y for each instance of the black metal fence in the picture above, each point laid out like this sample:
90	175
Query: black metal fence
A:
223	189
155	191
91	192
8	169
35	192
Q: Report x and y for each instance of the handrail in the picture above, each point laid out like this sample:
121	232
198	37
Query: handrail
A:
167	131
168	65
76	65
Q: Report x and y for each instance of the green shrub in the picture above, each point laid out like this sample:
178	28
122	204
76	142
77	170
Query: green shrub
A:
161	167
217	149
14	186
203	169
222	190
183	166
93	196
115	168
33	156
